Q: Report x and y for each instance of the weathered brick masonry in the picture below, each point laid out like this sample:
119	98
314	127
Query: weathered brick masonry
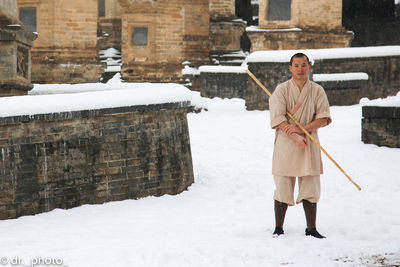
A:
66	49
63	160
177	31
381	126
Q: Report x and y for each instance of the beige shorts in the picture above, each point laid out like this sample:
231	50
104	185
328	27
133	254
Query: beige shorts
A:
309	189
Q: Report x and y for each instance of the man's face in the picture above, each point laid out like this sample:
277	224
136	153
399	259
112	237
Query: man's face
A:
300	68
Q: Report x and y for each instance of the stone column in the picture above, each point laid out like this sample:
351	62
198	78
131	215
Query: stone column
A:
15	52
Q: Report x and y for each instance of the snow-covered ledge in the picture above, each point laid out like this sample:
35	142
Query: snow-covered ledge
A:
63	147
381	121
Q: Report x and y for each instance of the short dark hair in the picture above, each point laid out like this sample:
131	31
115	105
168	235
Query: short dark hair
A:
299	55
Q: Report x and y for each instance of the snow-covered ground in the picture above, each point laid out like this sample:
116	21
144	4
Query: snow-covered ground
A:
226	218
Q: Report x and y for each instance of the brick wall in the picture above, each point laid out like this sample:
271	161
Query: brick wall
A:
381	126
342	93
225	36
196	35
223	85
270	75
305	39
15	52
64	160
8	8
383	73
67	35
222	9
321	14
177	31
111	25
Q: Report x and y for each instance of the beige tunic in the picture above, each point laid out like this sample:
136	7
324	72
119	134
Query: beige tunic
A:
288	158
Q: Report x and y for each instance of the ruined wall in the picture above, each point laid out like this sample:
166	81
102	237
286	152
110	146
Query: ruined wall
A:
64	160
381	126
177	31
67	41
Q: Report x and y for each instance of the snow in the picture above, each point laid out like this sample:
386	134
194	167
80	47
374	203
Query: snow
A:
390	101
328	53
187	70
258	29
348	76
224	69
109	52
226	218
51	98
112	57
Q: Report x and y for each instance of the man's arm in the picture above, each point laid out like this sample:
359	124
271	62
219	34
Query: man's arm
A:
300	140
312	126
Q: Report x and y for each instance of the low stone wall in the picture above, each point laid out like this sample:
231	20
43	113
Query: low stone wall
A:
381	126
383	73
270	75
223	84
383	81
63	160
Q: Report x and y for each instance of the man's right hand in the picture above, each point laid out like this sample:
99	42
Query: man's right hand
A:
300	140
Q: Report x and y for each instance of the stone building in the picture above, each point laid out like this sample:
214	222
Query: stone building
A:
299	24
158	36
66	48
225	28
15	52
109	24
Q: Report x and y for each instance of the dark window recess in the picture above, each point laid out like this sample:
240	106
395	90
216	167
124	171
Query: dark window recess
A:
102	8
279	9
27	15
139	36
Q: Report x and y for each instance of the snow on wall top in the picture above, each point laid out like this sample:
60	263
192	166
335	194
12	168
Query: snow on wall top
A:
348	76
229	69
391	101
52	98
328	53
258	29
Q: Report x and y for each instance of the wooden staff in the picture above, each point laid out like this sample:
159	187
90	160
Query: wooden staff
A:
304	130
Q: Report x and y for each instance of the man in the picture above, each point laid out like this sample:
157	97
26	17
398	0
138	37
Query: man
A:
295	155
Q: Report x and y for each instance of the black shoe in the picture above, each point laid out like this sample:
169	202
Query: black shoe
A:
313	232
278	231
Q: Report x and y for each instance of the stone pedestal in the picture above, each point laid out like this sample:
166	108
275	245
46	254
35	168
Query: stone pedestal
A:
15	52
381	126
295	38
